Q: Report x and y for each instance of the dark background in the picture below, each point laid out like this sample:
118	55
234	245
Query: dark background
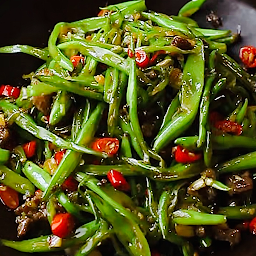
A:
30	22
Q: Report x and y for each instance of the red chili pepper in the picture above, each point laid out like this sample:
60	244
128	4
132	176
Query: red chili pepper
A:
70	184
142	59
103	13
9	197
229	126
130	53
252	226
248	56
59	155
30	148
184	156
9	91
109	146
62	224
117	180
154	57
76	59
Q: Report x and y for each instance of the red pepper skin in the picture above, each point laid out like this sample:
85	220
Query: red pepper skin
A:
76	59
184	156
130	53
59	155
9	197
154	57
118	181
62	224
252	226
109	146
248	56
215	117
9	91
30	148
229	126
141	58
70	184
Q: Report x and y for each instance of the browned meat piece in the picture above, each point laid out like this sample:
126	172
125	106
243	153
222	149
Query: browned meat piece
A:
31	211
240	183
43	103
233	236
4	134
214	19
182	43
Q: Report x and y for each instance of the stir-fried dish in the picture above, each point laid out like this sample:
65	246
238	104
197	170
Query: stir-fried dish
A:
135	137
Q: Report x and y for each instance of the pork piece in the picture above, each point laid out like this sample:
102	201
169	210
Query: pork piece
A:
43	103
31	211
233	236
214	19
4	134
239	183
183	43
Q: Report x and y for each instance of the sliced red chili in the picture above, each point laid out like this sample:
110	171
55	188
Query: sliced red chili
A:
59	155
141	58
76	59
9	197
62	224
117	180
103	13
184	156
252	226
155	55
130	53
229	127
30	148
109	146
9	91
70	184
248	56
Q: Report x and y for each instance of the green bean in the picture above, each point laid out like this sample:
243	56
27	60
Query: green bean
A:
191	7
25	122
191	217
189	142
175	103
42	243
37	88
168	49
60	107
167	22
245	78
150	202
99	54
205	101
218	87
81	115
167	203
125	146
75	87
54	52
50	209
175	172
190	22
238	212
241	114
130	235
71	158
240	163
39	53
92	183
4	155
193	77
126	127
16	181
101	233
